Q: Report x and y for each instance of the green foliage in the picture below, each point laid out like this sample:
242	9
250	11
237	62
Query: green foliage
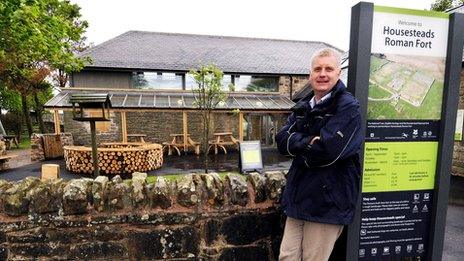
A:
12	122
208	96
37	36
209	92
139	81
9	100
443	5
262	85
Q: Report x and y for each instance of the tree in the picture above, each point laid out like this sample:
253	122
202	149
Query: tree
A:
37	37
40	97
9	100
207	97
443	5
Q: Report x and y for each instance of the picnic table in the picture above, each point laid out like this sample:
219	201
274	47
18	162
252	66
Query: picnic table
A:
221	140
4	160
177	143
137	136
10	140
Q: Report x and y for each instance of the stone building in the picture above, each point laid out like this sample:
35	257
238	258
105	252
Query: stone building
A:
147	77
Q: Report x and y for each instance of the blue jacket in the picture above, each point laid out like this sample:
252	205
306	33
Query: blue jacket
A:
323	180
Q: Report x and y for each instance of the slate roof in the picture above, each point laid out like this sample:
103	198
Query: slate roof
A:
171	99
182	52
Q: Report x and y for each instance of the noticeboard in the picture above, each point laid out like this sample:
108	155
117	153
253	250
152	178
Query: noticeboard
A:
406	78
407	70
250	156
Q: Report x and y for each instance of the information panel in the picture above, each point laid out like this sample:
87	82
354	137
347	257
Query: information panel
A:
403	119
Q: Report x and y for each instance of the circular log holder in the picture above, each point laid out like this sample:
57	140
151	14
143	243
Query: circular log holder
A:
115	158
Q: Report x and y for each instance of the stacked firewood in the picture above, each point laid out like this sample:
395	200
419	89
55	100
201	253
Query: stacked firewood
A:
2	147
118	160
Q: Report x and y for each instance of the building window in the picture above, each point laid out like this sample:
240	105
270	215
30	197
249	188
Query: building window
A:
156	80
190	82
251	83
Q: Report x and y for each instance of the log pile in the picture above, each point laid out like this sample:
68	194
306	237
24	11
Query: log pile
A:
2	147
115	158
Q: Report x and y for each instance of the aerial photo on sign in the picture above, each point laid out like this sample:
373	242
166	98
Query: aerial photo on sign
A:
405	87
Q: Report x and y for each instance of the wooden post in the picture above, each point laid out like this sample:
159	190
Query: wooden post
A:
124	126
50	171
56	119
184	129
240	126
93	134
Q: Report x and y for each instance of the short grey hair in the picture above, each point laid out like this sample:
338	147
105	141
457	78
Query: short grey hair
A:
325	52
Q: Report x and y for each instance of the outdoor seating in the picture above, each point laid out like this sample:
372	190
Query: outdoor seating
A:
10	140
140	137
177	144
4	160
221	140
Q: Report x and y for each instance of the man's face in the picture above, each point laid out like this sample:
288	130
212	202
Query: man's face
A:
325	73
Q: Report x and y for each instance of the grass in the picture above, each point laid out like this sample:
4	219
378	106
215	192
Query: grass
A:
377	92
430	108
25	143
173	177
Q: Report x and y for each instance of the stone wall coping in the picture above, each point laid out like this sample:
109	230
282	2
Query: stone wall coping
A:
197	193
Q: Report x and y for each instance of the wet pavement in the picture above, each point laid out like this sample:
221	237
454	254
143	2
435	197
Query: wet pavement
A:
174	164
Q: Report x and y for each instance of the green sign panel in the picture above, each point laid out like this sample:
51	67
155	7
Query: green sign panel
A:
399	166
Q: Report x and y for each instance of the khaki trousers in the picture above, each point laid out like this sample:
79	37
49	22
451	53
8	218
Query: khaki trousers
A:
308	241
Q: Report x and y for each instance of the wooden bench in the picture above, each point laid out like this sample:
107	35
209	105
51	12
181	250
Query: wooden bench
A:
140	137
4	159
221	140
195	145
171	147
177	144
10	140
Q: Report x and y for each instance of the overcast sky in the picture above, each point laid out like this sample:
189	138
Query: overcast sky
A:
324	20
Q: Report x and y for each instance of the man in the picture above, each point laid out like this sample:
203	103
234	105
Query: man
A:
323	136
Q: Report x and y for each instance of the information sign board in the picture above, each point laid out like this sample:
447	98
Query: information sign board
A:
405	93
250	156
404	69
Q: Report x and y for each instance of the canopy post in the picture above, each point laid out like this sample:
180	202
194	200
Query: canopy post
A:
56	121
184	130
240	126
124	126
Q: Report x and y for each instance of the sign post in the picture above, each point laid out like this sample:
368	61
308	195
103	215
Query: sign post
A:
250	158
405	73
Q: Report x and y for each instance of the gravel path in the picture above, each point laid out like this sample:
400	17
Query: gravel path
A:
24	157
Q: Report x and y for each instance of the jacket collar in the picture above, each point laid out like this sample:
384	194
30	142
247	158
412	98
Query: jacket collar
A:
336	90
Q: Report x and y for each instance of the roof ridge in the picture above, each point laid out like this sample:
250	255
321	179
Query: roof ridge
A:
229	36
103	44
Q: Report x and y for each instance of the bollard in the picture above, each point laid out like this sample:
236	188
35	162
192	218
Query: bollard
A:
50	171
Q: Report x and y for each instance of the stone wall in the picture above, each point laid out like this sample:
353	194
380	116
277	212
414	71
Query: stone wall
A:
37	145
156	125
297	83
197	217
81	130
159	125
